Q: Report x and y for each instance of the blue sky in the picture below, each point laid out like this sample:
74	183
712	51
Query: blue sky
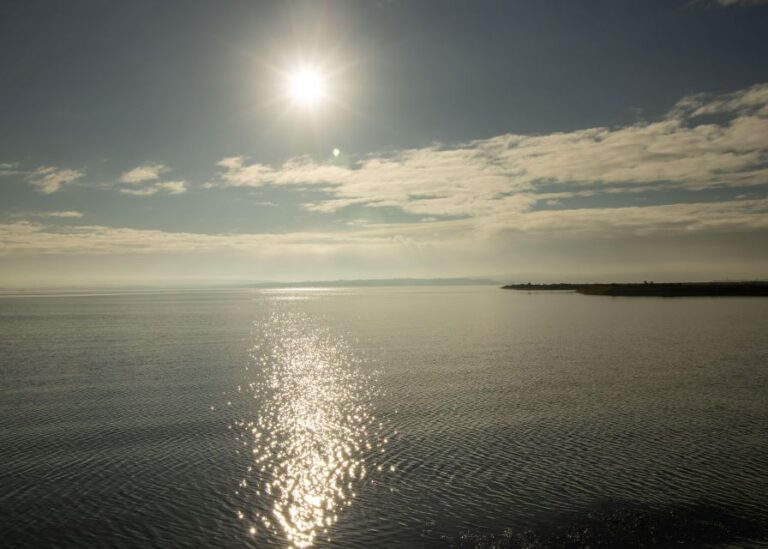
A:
154	142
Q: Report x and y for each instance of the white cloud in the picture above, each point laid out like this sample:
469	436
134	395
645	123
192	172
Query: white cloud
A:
148	191
751	101
26	237
170	187
712	217
48	179
488	177
65	214
9	168
141	174
675	219
69	214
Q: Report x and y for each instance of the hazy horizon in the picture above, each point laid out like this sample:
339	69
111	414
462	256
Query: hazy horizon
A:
490	280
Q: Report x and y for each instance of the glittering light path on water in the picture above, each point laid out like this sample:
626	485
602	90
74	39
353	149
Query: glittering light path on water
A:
313	434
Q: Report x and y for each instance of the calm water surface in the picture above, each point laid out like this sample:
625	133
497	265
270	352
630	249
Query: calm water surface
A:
397	417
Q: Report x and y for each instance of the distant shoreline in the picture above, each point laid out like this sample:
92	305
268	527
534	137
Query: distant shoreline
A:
378	282
654	289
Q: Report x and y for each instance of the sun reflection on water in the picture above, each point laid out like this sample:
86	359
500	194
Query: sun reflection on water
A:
312	431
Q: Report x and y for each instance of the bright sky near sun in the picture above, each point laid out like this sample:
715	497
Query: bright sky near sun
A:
307	86
146	142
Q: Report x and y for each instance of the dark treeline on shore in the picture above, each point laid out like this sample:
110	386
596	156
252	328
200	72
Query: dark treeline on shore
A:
653	289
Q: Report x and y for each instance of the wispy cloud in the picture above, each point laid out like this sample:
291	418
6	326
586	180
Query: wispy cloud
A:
48	179
672	219
9	168
169	187
140	178
703	142
148	191
28	237
172	187
69	214
56	214
144	173
667	219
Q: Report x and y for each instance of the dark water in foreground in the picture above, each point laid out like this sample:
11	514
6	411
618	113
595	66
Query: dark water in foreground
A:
390	417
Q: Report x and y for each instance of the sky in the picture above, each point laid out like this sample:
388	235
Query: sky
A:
149	142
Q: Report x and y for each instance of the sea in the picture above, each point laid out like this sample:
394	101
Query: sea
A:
434	416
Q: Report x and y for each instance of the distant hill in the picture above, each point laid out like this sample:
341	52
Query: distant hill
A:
372	282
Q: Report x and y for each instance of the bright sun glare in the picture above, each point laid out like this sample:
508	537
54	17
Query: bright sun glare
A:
306	86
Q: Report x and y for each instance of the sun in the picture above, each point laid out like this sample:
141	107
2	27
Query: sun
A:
306	86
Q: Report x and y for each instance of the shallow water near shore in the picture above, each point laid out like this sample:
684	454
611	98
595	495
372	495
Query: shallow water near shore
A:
381	417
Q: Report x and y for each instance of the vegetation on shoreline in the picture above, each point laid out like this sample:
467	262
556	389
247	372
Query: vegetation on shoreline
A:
652	289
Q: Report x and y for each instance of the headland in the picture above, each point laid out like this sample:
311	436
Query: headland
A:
655	289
